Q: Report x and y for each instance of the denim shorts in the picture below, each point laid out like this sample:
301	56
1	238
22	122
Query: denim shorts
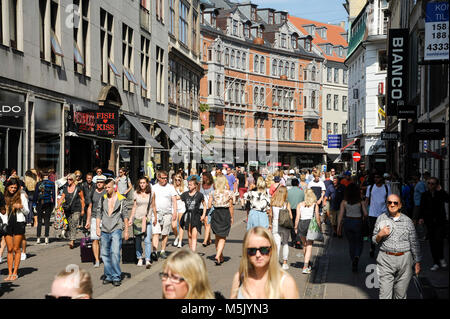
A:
257	218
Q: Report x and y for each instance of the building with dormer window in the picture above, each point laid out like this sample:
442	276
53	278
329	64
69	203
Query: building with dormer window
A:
261	84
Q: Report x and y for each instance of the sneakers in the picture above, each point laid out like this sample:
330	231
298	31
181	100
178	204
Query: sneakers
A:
117	283
38	241
154	256
180	244
163	254
148	264
46	240
306	270
97	264
140	262
175	242
23	256
285	267
435	267
443	263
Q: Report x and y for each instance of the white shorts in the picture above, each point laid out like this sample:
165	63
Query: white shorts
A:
166	226
94	229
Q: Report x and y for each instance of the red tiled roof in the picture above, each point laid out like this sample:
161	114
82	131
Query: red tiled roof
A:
333	35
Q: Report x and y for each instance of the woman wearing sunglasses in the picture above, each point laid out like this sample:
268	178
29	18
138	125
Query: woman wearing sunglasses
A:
71	283
260	275
184	276
351	216
180	188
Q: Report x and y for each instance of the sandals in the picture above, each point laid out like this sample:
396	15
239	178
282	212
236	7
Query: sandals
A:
207	244
11	278
218	262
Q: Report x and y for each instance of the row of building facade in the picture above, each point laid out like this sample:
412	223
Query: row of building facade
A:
387	140
88	83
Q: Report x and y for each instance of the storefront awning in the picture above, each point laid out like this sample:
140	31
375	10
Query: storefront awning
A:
143	131
301	149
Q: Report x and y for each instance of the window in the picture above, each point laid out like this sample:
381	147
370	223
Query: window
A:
382	60
160	11
128	58
313	99
271	18
328	101
246	30
308	44
344	103
328	128
235	27
213	19
262	65
280	68
336	75
274	67
294	41
82	37
210	87
305	100
283	40
313	73
262	97
244	61
255	96
212	121
253	14
308	132
227	57
238	59
344	128
329	74
236	92
109	70
11	18
286	68
172	16
260	32
256	64
218	85
345	76
160	76
336	102
183	25
335	128
194	43
328	49
242	98
283	18
292	70
291	131
50	48
232	59
305	74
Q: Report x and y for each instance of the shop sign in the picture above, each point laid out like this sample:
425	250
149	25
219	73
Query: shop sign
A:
436	31
335	141
429	131
397	74
8	109
390	136
84	122
98	123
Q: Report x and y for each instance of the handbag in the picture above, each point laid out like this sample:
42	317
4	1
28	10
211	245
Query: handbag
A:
67	207
314	232
60	219
284	220
3	227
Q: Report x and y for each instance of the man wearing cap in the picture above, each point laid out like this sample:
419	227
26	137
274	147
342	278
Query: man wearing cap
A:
347	178
94	200
399	250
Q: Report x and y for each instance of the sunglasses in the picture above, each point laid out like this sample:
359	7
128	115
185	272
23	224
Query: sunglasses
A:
390	203
262	250
70	179
49	296
163	177
174	278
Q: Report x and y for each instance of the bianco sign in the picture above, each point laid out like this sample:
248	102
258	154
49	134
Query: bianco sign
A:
436	31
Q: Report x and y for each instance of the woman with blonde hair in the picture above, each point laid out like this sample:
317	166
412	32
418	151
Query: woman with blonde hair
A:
260	275
180	188
280	233
71	283
306	211
259	205
30	181
184	276
78	176
222	217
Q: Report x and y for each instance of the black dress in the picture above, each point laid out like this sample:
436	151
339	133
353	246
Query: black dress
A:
193	213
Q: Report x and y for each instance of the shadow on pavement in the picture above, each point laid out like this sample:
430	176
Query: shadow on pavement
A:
6	287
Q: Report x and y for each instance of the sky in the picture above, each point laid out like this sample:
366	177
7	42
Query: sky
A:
326	11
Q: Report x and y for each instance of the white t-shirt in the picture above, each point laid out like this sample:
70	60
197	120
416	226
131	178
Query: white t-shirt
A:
163	198
377	199
317	187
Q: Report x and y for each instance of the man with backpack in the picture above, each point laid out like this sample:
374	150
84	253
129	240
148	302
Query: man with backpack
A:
376	197
44	200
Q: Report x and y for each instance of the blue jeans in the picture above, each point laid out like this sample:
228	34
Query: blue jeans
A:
353	232
111	244
257	218
147	243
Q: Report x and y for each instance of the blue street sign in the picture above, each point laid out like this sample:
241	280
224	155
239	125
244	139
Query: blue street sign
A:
335	141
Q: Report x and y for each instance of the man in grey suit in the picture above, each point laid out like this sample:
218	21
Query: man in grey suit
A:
396	235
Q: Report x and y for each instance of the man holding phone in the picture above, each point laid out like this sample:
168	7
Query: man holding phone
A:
396	235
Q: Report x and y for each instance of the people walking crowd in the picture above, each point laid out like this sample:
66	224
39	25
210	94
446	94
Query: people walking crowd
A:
284	209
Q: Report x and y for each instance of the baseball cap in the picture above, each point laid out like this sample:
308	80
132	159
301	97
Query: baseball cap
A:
291	171
101	178
347	173
277	179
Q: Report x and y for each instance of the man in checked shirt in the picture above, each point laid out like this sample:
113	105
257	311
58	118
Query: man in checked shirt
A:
396	236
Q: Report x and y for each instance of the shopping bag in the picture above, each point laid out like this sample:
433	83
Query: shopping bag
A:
60	219
314	231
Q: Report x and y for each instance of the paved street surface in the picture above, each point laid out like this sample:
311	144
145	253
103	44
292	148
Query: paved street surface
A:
331	276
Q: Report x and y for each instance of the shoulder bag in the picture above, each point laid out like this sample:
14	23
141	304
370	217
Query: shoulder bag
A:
67	206
284	220
137	223
314	232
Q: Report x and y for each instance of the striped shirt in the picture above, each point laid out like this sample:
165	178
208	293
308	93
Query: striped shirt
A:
403	236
